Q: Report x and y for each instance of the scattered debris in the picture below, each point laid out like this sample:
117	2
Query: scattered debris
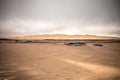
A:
76	44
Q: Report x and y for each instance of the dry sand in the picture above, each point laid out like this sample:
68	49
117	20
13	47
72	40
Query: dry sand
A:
60	36
51	61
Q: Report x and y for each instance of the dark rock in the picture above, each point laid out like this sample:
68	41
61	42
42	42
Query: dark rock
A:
98	44
76	44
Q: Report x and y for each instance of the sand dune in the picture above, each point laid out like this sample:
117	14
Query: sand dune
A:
59	36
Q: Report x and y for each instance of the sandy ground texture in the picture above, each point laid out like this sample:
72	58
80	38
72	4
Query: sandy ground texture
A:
61	36
50	61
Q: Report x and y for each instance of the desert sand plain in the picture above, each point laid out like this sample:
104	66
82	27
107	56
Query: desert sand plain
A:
57	61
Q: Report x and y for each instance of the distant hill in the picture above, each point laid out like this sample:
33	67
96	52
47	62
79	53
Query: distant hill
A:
60	36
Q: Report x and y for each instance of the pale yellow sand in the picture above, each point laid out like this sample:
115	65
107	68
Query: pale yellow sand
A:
59	36
49	61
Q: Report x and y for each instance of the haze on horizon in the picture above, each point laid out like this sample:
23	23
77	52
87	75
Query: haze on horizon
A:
31	17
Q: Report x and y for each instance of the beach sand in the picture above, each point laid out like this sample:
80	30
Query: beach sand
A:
57	61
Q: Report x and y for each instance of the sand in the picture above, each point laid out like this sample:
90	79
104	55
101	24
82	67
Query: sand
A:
56	61
62	36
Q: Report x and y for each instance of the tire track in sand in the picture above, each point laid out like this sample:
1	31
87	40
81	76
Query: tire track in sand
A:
100	71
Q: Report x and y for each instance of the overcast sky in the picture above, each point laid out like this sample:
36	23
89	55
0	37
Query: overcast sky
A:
30	17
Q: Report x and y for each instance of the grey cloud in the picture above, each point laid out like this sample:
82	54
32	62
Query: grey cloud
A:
25	17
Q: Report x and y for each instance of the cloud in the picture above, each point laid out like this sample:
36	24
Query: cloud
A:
26	17
28	27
